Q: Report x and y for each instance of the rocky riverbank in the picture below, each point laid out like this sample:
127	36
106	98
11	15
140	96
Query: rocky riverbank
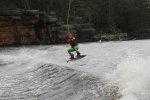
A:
25	27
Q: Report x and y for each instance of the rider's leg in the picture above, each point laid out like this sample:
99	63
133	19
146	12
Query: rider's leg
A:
76	49
69	51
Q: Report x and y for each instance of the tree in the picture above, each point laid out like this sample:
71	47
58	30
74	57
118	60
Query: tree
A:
107	15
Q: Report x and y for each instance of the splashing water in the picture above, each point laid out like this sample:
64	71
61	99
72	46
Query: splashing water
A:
132	78
118	69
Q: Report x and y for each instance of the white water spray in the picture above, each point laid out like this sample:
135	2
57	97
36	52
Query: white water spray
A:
132	78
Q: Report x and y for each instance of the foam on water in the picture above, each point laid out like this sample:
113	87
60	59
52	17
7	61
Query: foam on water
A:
129	70
132	78
31	75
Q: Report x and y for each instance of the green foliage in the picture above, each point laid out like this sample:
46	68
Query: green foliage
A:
107	15
5	4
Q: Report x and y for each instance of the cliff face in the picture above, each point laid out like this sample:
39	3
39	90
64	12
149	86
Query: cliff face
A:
16	28
25	27
5	36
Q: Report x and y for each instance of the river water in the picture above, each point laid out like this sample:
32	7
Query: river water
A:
110	71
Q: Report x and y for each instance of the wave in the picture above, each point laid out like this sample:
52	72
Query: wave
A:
51	82
132	78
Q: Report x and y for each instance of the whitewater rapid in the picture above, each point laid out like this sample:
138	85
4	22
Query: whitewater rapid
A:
118	70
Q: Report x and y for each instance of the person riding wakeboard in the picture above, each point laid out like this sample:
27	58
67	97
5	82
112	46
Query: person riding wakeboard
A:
74	46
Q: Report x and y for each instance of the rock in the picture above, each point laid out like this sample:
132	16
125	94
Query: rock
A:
85	32
52	13
31	12
114	37
76	20
59	23
63	32
22	27
52	19
10	12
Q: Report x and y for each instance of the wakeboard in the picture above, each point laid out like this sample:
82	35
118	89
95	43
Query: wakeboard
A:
76	58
